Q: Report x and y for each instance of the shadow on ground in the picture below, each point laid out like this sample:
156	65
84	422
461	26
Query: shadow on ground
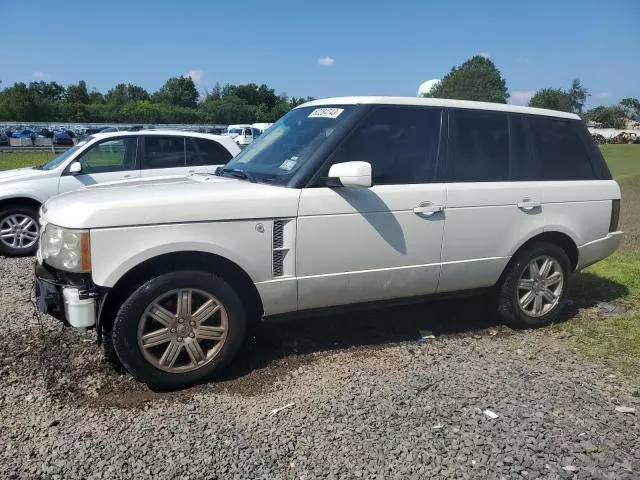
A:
588	289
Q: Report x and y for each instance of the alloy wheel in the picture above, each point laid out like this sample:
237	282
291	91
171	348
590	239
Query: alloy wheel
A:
182	330
19	231
540	286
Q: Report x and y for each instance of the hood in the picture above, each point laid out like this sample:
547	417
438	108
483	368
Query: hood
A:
197	198
21	174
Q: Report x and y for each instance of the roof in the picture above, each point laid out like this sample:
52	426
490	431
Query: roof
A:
177	133
438	102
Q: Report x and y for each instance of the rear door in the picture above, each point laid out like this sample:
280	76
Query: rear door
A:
205	155
576	187
108	160
163	156
487	213
363	244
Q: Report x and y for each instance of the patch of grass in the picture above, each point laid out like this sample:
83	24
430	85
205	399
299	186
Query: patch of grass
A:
615	340
622	159
23	159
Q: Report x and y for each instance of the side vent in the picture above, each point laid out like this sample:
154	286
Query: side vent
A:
280	247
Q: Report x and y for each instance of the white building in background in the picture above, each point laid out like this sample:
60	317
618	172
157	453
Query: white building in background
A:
426	87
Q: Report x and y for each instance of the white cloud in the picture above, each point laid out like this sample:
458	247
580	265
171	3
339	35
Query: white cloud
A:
520	97
523	59
196	75
326	61
40	75
603	95
485	54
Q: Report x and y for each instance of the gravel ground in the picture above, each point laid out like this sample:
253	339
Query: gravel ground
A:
369	401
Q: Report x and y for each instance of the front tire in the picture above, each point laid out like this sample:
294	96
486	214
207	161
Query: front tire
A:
19	231
179	329
535	286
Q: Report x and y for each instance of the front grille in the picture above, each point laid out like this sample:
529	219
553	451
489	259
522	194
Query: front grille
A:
278	262
278	234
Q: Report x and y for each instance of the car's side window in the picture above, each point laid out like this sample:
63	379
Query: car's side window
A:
559	152
163	152
480	147
206	152
400	143
110	156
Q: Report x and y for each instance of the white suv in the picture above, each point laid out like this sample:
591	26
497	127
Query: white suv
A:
103	157
343	201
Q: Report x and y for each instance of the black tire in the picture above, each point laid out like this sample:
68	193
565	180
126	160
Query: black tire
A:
124	332
18	210
509	308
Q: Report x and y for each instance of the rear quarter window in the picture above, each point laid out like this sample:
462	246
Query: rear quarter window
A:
558	152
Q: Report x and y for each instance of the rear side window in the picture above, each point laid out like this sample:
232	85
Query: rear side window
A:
206	152
558	152
163	152
400	143
480	147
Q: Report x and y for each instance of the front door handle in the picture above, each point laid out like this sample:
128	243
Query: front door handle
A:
126	176
528	205
426	210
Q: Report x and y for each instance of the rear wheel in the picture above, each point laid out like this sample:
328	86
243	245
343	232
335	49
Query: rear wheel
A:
179	329
535	286
19	231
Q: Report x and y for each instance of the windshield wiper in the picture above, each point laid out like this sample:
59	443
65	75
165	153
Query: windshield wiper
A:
237	173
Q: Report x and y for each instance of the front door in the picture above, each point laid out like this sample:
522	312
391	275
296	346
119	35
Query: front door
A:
105	161
365	244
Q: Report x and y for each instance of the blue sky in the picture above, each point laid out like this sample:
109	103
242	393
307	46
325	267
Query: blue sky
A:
325	48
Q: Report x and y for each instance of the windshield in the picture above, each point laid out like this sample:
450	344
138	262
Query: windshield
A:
234	131
289	143
57	161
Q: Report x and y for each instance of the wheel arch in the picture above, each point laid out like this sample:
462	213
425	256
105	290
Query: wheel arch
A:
561	239
23	201
184	260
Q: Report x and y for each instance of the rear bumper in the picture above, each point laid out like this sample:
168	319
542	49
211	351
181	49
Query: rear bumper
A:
75	305
592	252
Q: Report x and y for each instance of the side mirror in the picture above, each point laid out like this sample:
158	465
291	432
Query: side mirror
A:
350	174
75	168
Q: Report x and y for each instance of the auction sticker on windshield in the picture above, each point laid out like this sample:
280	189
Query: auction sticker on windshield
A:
326	113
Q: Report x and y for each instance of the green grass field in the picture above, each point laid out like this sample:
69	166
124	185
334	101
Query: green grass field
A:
614	340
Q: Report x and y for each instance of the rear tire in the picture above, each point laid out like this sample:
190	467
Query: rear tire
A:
535	285
19	231
179	329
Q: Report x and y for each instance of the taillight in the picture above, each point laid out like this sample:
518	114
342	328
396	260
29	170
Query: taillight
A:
615	215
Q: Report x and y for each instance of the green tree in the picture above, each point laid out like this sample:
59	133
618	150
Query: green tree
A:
179	92
631	107
126	93
50	91
18	103
476	79
578	94
78	93
553	99
610	117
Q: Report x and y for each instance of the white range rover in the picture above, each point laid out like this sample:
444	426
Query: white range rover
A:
343	201
102	157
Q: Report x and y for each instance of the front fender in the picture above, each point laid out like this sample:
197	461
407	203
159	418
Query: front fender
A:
115	251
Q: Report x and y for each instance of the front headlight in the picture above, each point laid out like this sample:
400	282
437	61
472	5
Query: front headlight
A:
66	249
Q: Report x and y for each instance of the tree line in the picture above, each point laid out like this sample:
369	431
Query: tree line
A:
479	79
177	101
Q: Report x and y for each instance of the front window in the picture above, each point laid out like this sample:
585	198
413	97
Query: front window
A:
59	160
110	156
288	144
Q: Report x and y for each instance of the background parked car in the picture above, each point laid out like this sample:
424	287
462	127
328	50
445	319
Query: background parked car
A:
4	138
61	137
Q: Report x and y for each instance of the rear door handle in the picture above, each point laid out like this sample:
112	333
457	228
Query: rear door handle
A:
528	205
427	210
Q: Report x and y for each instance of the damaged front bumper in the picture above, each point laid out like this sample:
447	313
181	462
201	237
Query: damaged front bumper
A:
71	298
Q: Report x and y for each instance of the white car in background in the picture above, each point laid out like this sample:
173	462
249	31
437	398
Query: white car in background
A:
103	157
242	134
